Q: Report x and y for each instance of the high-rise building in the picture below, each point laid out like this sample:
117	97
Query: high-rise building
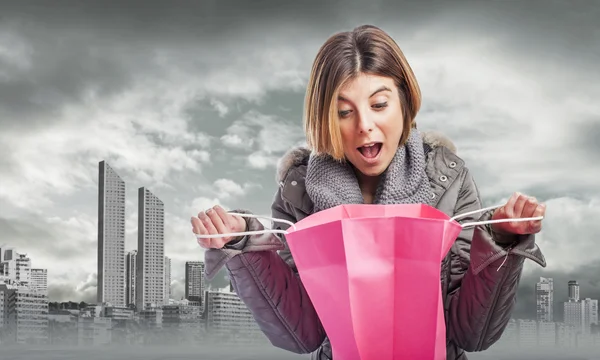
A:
130	276
150	283
194	281
546	334
228	318
573	290
590	313
16	266
574	315
111	237
566	336
25	314
527	333
167	280
39	280
582	315
544	296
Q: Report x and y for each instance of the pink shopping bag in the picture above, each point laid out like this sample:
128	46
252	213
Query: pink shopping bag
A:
380	266
373	274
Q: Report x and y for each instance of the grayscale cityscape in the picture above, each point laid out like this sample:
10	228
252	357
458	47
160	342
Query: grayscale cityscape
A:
134	303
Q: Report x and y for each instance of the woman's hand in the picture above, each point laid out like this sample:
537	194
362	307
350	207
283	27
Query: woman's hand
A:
216	221
517	207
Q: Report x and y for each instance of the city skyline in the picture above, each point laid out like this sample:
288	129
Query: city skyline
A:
147	198
199	111
27	317
578	311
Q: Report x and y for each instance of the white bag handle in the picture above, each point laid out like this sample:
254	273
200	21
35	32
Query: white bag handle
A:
274	231
256	232
477	223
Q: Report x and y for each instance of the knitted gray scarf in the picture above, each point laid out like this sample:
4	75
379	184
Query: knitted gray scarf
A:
330	183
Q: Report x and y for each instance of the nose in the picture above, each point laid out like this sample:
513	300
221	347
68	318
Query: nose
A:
365	124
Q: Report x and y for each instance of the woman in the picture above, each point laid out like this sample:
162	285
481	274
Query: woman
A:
360	109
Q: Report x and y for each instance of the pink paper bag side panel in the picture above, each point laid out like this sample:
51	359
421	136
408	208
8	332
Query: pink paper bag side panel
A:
322	217
321	261
397	259
370	259
418	288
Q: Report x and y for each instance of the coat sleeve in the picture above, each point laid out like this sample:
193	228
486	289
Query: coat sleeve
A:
269	286
485	270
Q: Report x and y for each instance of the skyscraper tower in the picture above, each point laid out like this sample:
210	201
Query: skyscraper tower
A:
544	296
150	262
194	281
130	275
111	237
573	290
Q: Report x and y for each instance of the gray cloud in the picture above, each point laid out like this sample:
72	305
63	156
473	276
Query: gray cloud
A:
85	291
61	70
212	19
75	47
46	237
586	136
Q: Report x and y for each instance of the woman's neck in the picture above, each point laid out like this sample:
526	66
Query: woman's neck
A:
368	186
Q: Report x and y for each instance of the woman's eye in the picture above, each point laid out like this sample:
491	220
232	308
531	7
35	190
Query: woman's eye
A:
344	113
380	105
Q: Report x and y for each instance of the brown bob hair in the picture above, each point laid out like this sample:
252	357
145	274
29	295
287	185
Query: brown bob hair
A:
366	49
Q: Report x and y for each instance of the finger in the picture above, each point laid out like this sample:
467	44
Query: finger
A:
509	207
198	228
216	221
529	208
206	221
225	218
519	205
536	225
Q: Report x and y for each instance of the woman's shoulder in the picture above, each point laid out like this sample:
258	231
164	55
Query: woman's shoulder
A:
293	161
444	165
290	177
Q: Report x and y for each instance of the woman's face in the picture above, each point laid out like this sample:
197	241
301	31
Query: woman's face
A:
370	122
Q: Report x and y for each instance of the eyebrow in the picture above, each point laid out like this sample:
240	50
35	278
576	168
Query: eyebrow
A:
382	88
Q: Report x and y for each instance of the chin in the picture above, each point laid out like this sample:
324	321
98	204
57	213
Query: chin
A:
372	170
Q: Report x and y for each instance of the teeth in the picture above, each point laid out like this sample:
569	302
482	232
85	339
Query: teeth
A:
369	145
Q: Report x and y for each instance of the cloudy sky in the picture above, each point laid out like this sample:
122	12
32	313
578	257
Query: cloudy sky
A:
197	103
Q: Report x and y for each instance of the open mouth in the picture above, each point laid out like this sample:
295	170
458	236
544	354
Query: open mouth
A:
370	151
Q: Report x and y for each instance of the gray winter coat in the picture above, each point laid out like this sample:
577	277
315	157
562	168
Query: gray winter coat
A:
479	276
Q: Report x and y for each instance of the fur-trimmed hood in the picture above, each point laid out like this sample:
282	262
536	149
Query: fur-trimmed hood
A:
299	155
